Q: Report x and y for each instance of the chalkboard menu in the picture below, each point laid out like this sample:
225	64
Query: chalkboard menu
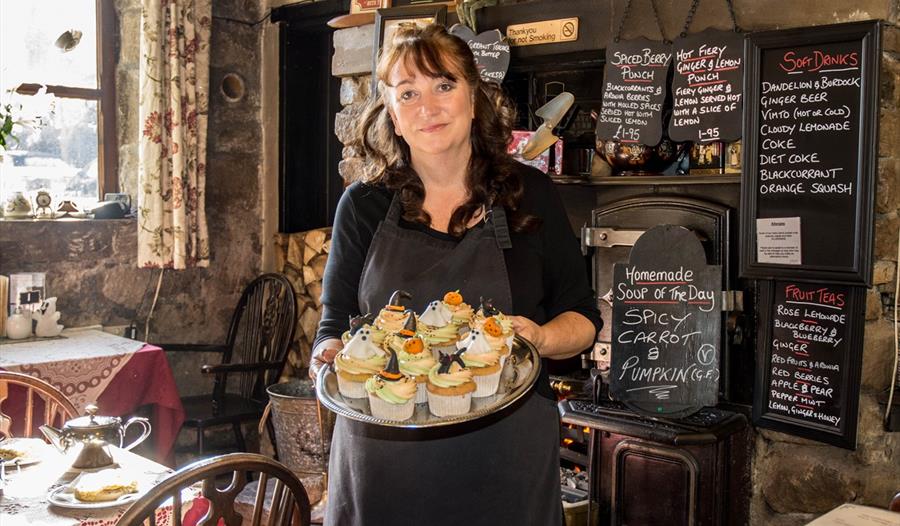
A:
809	153
491	51
707	98
666	325
634	89
809	358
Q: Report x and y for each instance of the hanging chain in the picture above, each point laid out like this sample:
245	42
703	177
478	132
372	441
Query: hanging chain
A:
734	25
622	21
659	22
690	17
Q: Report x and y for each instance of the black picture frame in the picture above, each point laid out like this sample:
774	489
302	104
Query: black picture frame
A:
849	376
386	18
825	230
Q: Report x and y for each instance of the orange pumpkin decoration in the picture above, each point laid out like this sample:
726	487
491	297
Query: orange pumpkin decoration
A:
414	346
453	298
492	327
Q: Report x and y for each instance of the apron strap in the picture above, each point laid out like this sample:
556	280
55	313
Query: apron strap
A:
394	211
501	228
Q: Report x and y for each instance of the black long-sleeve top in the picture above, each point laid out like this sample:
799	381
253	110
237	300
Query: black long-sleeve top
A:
547	273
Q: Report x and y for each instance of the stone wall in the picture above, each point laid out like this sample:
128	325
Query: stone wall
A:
793	479
91	265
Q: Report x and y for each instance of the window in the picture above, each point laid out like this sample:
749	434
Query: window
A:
73	154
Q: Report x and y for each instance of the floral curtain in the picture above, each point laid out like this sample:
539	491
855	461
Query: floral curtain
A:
174	88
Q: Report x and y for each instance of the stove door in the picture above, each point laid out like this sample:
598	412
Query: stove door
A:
615	228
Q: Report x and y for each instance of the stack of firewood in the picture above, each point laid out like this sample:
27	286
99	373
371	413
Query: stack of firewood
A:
301	257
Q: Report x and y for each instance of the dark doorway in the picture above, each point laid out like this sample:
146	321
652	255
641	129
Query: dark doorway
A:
309	152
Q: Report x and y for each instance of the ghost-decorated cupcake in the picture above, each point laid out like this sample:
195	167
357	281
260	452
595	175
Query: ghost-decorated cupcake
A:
460	311
364	321
357	362
436	327
392	317
483	361
415	358
391	393
497	327
450	386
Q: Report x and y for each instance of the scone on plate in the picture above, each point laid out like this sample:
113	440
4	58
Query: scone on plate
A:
104	486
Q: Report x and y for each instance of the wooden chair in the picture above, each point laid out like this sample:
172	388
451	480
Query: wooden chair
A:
262	328
895	503
288	504
57	408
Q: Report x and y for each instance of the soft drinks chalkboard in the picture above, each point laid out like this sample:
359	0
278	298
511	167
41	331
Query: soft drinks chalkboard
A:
809	356
667	315
634	89
707	85
809	151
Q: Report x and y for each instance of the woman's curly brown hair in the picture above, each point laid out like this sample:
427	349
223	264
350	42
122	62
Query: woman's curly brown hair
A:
492	178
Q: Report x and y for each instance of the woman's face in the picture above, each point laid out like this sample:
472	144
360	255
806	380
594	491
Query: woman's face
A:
433	115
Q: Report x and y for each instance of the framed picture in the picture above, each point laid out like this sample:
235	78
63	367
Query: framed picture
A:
707	159
388	20
367	6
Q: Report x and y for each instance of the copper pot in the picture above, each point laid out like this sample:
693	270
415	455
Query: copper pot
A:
639	159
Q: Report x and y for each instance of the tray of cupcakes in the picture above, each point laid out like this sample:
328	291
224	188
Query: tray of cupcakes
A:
447	365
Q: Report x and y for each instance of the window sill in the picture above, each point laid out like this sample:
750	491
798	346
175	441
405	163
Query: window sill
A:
30	220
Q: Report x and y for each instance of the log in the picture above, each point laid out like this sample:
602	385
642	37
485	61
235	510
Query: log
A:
315	292
309	275
318	265
295	250
315	239
309	322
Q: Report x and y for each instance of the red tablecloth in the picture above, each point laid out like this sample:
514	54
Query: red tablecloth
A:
146	379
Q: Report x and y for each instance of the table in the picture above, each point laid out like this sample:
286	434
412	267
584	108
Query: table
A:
24	501
89	365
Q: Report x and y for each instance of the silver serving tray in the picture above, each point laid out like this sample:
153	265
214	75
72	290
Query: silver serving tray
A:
519	374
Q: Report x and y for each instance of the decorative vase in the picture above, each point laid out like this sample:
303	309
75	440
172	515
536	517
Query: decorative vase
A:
18	325
17	206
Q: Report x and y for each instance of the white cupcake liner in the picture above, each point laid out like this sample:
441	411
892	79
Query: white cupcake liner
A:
388	411
350	388
449	405
486	385
421	392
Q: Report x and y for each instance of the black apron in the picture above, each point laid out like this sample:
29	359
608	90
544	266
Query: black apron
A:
502	469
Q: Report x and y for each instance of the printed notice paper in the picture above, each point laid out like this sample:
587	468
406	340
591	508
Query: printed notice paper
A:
856	515
778	240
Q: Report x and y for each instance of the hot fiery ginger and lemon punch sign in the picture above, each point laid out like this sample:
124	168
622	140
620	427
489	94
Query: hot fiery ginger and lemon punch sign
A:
443	357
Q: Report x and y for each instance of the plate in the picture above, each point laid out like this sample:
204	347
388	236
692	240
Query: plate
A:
517	377
64	497
34	448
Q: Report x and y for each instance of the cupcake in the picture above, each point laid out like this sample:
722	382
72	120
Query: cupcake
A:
460	311
484	363
436	327
391	392
415	358
357	362
392	317
450	386
497	328
356	322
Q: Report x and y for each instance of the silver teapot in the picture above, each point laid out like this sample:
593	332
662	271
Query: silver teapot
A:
93	434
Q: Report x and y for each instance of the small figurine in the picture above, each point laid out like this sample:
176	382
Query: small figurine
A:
46	318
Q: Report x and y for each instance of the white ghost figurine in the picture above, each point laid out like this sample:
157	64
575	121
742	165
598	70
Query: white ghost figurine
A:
46	318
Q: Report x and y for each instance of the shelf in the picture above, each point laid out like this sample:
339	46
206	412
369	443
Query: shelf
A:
649	180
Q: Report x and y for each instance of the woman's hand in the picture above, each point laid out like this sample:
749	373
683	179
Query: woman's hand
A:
323	355
562	337
529	330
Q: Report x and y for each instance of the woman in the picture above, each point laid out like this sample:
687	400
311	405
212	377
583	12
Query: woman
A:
443	207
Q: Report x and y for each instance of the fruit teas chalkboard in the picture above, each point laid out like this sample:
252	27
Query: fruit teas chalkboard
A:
809	356
809	153
667	317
